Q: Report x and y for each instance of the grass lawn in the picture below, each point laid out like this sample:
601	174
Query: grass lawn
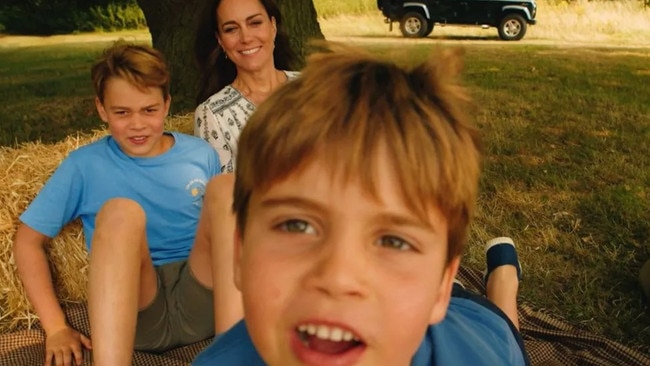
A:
45	87
566	171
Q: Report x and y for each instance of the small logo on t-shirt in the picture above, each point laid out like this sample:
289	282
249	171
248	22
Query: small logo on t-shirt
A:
196	189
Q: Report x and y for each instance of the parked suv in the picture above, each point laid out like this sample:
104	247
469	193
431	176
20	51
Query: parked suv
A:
417	17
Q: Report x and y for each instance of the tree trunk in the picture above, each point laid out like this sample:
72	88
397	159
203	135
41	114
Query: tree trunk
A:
301	24
172	24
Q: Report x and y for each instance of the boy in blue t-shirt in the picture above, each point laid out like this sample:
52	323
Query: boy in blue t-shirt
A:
354	190
139	194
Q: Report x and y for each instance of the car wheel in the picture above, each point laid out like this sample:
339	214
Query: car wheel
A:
512	27
414	25
429	30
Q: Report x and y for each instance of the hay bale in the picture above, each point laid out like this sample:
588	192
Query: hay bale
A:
23	172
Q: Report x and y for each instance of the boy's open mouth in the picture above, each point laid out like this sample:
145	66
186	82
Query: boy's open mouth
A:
330	340
138	140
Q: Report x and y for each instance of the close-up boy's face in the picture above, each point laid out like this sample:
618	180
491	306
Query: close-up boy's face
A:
135	117
332	276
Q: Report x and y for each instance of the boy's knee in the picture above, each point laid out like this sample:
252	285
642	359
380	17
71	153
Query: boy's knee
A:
120	211
120	223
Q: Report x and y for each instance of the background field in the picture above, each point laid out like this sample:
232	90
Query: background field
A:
559	21
565	117
44	90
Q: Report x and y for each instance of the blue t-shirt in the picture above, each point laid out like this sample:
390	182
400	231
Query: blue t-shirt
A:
471	334
169	187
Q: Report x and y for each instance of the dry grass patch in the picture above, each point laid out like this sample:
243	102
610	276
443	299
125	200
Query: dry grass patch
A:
137	36
587	22
593	21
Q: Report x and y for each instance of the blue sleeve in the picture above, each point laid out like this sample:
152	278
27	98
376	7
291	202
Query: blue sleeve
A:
470	334
234	347
58	201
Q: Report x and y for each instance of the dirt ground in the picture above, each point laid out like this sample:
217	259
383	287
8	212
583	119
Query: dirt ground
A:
495	41
32	41
458	37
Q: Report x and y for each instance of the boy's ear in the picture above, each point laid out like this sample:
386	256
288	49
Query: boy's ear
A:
168	104
237	258
100	110
439	309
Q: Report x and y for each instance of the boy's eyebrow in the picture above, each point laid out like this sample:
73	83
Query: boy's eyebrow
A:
291	201
404	220
155	105
117	107
381	217
234	22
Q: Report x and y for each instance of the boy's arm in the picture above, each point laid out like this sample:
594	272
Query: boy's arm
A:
34	271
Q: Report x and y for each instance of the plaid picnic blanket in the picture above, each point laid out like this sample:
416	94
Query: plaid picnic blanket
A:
548	339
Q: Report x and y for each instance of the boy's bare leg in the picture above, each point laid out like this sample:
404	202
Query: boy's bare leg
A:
501	288
122	280
216	232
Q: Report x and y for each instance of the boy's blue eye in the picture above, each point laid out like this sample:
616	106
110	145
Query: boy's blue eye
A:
393	242
297	226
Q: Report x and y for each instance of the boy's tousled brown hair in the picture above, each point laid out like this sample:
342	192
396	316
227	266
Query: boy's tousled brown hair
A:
140	65
343	107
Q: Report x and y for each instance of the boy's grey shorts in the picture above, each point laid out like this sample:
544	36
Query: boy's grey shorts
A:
180	314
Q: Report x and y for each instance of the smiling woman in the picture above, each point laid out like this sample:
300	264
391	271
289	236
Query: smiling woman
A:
247	60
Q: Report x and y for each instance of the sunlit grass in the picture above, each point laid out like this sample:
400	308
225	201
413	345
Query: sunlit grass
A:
626	22
331	8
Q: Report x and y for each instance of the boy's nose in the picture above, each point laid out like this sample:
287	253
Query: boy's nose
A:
137	122
341	269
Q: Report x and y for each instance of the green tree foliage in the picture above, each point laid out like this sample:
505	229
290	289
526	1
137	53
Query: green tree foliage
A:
45	17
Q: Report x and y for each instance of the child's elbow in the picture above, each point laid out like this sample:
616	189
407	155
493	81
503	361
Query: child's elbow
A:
27	240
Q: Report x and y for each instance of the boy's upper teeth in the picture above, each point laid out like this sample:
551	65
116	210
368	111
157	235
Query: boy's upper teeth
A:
325	332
